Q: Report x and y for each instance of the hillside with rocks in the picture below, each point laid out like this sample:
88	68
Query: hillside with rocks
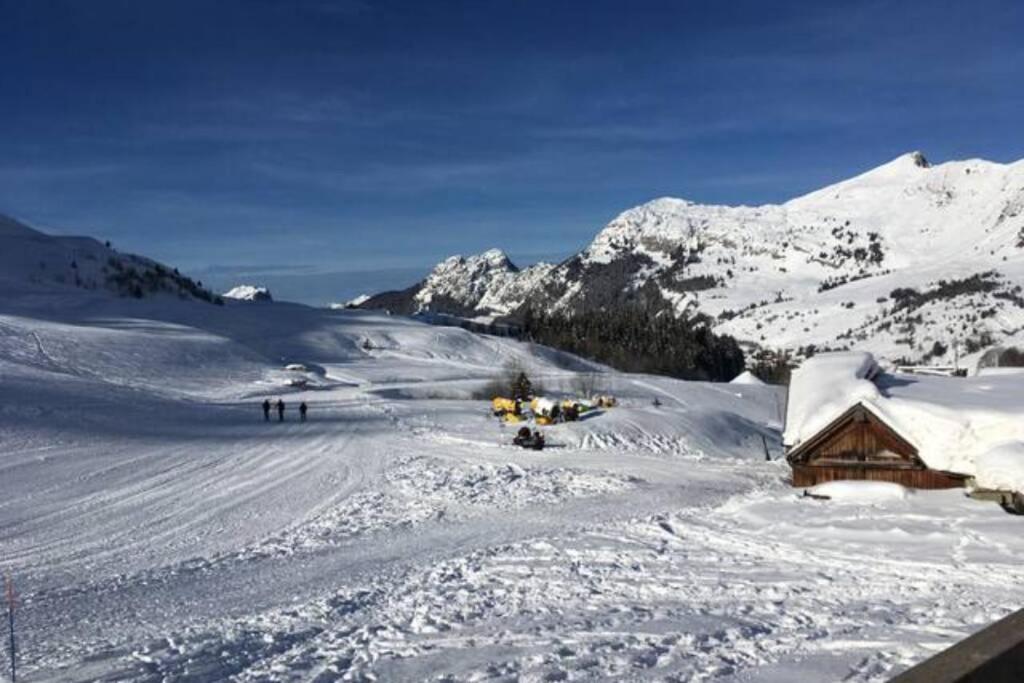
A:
910	260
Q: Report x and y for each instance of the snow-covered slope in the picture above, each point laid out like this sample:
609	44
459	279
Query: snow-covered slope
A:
41	262
906	260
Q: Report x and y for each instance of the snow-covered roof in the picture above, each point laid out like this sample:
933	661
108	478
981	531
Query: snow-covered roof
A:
950	421
747	377
823	388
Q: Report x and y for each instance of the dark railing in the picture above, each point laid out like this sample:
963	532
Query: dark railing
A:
993	655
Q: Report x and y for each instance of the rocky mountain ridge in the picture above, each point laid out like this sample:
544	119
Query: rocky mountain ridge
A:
913	261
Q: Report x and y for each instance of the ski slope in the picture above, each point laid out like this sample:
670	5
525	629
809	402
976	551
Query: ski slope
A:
158	529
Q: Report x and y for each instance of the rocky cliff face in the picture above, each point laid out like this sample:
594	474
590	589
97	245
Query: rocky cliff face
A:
909	260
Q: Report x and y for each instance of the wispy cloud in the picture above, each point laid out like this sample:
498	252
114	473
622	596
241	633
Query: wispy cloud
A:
397	176
37	172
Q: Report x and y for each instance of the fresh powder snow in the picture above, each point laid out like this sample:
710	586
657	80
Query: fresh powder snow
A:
861	492
1002	467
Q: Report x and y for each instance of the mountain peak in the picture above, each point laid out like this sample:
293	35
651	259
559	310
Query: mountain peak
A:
492	259
496	258
918	158
910	162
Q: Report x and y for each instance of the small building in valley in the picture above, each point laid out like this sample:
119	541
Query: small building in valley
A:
846	418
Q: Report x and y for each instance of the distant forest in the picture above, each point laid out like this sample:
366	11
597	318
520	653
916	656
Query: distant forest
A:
634	339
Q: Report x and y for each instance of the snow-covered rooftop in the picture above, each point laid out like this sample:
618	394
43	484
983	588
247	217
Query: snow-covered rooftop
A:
747	377
951	421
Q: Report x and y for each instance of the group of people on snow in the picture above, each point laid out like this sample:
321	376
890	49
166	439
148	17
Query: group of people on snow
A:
303	409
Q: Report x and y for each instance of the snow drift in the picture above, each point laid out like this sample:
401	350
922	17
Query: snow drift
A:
1002	467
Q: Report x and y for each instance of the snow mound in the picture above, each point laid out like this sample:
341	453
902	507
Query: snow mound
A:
823	388
1002	467
865	492
747	377
249	293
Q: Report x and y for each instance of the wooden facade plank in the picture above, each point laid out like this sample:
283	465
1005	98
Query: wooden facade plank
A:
812	475
858	445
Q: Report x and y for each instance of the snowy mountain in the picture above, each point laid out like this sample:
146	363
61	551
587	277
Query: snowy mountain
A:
39	261
487	284
248	293
908	260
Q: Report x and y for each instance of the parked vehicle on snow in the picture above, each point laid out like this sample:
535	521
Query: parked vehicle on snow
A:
532	440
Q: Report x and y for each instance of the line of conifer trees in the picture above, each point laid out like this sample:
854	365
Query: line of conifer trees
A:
635	339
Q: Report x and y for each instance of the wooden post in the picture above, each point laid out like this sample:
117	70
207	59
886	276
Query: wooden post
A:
764	442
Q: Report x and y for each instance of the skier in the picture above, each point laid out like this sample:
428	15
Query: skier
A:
302	411
266	410
280	410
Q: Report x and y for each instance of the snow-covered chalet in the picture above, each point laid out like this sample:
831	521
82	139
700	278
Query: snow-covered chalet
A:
846	418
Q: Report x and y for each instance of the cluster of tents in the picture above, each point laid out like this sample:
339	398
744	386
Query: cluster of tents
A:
547	411
544	411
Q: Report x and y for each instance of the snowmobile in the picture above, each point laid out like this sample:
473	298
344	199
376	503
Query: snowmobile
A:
526	439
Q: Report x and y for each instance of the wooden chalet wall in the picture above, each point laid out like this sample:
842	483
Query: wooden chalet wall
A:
805	476
858	445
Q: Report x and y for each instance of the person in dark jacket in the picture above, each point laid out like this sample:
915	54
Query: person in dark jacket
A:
280	410
266	410
302	411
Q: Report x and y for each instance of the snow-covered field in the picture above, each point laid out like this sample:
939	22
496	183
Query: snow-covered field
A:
157	529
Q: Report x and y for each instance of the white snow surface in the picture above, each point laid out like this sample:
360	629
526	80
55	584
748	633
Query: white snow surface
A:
158	529
861	492
1002	467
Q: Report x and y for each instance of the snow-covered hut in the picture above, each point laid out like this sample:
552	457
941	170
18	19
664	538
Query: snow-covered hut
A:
848	419
747	377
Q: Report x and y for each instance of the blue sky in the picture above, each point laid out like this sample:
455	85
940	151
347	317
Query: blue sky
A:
351	137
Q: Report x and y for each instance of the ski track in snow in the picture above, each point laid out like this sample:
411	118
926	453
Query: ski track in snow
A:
159	530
